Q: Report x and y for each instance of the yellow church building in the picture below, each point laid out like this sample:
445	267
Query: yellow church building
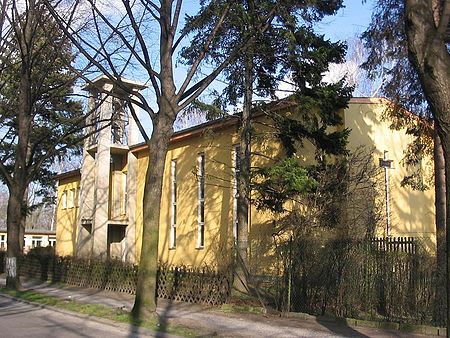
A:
99	210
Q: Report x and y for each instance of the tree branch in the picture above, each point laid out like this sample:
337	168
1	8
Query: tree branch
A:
202	54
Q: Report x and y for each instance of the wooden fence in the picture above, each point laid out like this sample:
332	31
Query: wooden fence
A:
196	285
391	244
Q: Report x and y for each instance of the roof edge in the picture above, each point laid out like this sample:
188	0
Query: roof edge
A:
67	174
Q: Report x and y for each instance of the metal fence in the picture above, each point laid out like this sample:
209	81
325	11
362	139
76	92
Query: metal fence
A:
380	278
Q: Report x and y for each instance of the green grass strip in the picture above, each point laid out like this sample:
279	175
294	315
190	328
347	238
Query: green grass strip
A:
101	311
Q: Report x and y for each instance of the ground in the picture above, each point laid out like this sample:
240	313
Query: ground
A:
19	319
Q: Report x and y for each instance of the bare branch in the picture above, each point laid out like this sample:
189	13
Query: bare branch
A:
144	48
176	17
139	124
202	54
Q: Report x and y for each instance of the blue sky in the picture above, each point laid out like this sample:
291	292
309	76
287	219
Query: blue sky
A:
349	21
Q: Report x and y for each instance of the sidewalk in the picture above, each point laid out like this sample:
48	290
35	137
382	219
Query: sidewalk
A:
210	321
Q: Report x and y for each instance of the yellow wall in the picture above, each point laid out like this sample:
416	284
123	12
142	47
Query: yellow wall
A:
218	201
412	211
66	218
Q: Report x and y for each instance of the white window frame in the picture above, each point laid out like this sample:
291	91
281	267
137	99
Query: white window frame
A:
173	204
236	172
201	201
71	198
124	202
64	200
2	241
35	240
51	241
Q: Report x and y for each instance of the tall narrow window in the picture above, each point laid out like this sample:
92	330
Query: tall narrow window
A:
201	201
173	197
97	101
77	197
236	172
64	200
125	193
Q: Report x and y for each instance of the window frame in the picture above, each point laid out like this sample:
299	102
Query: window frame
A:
52	241
3	241
173	204
201	169
35	240
236	171
71	198
64	200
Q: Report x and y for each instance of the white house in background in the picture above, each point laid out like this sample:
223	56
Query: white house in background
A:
32	238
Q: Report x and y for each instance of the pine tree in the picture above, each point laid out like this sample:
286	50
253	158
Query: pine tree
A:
288	47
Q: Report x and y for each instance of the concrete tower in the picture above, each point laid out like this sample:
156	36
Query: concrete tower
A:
108	186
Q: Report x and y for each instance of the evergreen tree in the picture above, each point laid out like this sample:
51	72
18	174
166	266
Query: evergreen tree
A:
39	123
288	47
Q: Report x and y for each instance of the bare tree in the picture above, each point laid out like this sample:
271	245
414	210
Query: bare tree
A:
143	36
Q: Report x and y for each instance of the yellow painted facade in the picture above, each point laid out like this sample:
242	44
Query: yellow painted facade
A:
67	213
412	211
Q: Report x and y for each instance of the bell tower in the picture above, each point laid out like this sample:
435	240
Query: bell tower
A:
108	186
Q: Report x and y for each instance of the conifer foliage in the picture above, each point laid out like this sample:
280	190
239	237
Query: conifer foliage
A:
286	51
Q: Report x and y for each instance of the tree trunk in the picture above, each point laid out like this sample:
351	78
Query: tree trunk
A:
14	221
242	272
440	201
146	290
430	57
146	298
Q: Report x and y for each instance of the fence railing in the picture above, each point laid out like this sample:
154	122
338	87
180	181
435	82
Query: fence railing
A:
196	285
389	244
385	279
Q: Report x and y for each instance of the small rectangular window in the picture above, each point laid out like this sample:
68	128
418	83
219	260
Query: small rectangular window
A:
201	201
36	242
173	197
2	241
64	200
51	241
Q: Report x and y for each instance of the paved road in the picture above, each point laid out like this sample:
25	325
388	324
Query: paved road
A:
18	319
205	321
208	322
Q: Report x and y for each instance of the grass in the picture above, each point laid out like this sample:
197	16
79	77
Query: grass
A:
101	311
